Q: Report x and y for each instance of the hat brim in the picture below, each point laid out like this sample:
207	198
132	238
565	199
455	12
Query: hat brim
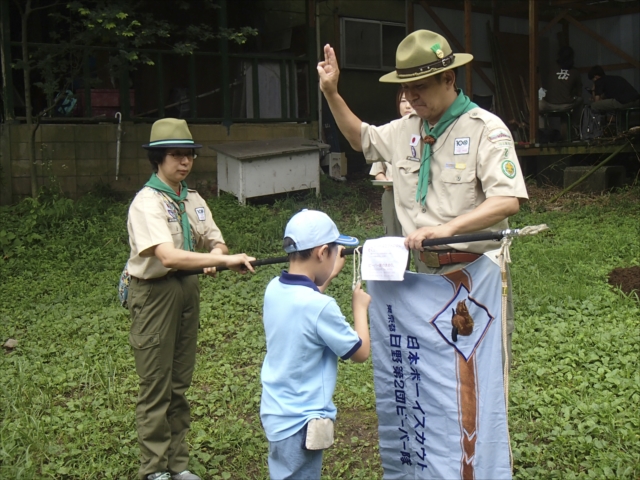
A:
347	241
459	60
155	145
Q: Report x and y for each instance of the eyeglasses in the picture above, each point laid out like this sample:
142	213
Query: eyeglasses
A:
180	156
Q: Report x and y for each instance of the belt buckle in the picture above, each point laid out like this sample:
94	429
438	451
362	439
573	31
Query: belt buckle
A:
430	258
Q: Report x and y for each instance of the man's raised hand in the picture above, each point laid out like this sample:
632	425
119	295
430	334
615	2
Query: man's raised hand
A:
328	71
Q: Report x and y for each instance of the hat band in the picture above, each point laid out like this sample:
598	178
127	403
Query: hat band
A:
159	143
415	71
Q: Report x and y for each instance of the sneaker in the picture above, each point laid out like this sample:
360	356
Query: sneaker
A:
186	475
159	476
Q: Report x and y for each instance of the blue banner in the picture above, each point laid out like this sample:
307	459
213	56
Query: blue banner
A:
437	355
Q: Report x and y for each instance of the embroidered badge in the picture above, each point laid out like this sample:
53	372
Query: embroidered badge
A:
499	135
509	168
449	165
171	212
437	50
200	213
414	154
414	140
461	166
461	146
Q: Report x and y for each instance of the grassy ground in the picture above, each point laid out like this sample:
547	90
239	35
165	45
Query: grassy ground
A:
69	387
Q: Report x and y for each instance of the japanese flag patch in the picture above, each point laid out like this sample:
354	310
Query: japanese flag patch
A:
414	140
200	213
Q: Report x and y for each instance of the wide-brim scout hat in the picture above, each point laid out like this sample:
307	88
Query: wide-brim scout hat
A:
170	133
421	54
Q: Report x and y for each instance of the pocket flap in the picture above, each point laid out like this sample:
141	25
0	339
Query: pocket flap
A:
142	342
457	176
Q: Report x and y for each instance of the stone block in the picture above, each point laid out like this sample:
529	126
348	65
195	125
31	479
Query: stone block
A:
20	168
95	133
20	151
94	167
21	186
130	150
604	178
128	166
63	168
58	133
144	167
61	150
204	165
21	133
92	150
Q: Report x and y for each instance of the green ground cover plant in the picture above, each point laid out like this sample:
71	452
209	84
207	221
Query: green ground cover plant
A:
69	387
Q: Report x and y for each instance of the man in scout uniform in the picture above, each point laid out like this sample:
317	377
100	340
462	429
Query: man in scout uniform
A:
454	165
167	223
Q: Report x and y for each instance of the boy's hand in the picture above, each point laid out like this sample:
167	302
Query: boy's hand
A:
339	265
360	299
240	263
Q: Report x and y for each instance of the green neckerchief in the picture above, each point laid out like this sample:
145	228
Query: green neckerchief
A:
157	184
460	105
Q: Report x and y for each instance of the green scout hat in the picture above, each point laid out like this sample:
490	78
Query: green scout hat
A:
421	54
170	133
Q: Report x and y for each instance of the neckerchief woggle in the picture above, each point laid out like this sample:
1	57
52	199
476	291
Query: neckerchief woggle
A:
157	184
462	104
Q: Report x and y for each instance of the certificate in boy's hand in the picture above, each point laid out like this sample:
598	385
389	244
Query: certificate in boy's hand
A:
384	259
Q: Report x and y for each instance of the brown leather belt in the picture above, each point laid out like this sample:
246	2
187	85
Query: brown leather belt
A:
435	259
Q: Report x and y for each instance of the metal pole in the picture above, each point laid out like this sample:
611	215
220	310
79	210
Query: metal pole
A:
470	237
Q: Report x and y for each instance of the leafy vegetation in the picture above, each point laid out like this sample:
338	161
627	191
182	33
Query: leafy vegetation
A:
69	387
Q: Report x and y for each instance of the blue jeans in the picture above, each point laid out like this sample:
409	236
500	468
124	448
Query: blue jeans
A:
289	460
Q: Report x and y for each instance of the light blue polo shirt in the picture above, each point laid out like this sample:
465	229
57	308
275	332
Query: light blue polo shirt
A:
306	333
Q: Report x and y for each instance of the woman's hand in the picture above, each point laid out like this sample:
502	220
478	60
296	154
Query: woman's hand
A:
240	263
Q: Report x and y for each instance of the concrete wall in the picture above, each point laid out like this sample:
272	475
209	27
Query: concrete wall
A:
80	156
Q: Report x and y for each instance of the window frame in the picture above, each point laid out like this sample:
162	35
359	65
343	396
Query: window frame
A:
343	45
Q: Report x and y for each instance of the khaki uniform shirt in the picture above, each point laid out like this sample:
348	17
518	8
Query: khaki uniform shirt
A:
153	219
472	160
382	167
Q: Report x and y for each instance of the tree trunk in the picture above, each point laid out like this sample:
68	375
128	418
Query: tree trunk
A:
3	60
26	71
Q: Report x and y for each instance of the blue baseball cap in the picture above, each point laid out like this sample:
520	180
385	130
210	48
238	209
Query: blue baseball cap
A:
311	228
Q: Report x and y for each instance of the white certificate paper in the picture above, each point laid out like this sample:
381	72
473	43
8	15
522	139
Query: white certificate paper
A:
384	259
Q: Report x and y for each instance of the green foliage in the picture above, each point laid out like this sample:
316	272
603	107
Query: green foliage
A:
70	387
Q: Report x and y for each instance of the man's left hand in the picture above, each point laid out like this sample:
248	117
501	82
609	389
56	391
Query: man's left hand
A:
414	240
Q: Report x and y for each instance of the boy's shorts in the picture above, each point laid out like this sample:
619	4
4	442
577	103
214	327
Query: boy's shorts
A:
289	460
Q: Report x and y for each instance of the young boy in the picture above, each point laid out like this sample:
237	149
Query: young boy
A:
306	333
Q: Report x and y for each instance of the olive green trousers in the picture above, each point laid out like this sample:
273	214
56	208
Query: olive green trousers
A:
511	325
164	332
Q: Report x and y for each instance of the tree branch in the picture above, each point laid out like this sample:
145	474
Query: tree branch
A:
57	2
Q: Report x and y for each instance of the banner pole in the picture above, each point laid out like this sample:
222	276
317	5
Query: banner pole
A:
466	238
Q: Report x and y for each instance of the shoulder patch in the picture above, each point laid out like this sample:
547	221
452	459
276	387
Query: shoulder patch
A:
500	135
508	168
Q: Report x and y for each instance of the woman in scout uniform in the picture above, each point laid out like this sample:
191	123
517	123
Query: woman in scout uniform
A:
454	164
167	223
382	171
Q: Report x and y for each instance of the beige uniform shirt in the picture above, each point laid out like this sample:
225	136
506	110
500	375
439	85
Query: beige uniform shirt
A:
382	167
153	219
472	160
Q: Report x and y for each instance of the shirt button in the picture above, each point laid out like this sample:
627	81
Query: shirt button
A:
458	178
424	210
